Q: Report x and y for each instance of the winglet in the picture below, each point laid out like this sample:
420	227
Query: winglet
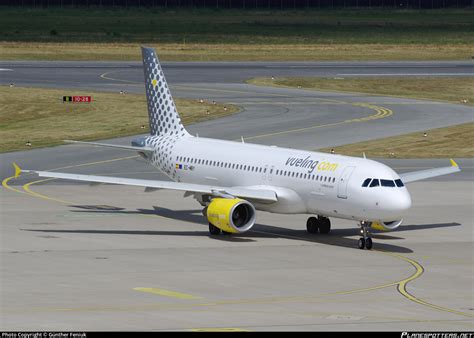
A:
17	169
453	164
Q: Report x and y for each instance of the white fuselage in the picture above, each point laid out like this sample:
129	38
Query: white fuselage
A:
305	182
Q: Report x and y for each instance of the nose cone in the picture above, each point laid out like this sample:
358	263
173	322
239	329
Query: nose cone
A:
396	205
403	201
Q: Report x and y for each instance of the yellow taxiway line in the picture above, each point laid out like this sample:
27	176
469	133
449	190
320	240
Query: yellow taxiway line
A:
167	293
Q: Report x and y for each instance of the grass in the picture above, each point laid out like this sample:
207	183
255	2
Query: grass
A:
452	89
52	51
38	115
455	141
225	35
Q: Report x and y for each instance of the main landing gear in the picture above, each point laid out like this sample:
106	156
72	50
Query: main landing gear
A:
365	240
320	224
213	230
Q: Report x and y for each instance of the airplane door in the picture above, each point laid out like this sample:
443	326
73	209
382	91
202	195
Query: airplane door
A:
342	184
270	173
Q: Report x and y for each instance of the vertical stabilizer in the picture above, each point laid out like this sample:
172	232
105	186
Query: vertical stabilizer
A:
162	114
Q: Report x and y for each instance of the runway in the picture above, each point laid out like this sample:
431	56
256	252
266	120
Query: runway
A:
76	257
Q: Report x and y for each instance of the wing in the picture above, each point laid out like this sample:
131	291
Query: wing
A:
139	149
423	174
264	195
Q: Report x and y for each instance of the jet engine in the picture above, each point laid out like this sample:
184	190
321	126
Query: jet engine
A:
231	214
386	226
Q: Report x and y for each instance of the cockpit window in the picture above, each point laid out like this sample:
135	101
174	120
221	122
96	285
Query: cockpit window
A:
399	183
374	183
387	183
366	182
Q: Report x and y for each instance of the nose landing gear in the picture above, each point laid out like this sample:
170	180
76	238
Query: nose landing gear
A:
366	239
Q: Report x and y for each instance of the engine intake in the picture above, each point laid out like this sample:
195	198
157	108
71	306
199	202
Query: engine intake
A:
231	214
386	226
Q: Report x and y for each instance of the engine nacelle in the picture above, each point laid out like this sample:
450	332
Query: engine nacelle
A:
231	214
386	226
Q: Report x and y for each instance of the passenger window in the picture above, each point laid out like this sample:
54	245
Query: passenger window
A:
399	183
366	182
387	183
374	183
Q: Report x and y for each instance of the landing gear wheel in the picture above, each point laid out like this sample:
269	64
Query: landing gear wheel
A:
366	240
213	230
368	243
324	225
312	225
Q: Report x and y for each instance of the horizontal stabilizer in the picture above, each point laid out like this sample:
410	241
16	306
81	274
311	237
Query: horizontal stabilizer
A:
140	149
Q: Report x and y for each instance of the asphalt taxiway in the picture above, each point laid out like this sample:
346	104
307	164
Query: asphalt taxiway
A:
76	257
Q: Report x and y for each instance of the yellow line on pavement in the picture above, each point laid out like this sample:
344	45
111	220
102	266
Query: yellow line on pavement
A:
26	187
6	186
28	191
104	76
419	271
380	113
167	293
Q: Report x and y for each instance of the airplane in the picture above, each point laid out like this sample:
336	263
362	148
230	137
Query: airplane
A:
231	180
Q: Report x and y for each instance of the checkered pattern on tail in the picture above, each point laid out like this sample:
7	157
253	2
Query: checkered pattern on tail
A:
162	114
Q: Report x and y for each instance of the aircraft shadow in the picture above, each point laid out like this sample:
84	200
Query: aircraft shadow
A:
347	238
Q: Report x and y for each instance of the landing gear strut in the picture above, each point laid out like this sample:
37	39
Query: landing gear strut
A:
320	224
213	230
366	239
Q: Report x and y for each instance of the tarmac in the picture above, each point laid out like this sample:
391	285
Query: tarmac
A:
80	257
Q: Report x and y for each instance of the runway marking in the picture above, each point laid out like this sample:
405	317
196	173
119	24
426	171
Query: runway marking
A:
104	76
419	271
6	186
381	113
29	192
401	285
26	187
167	293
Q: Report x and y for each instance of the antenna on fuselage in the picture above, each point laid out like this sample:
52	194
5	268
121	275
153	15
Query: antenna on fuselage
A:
363	153
242	138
